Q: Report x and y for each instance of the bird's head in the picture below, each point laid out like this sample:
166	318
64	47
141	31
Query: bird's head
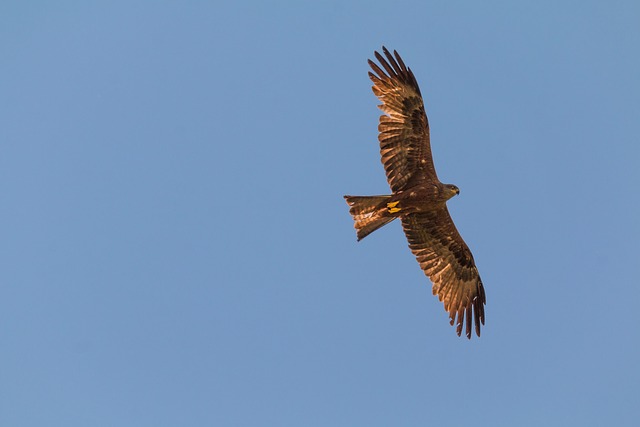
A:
451	190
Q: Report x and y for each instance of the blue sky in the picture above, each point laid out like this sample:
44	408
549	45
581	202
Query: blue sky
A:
176	249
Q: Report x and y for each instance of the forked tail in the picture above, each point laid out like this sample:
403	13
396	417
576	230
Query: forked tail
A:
369	213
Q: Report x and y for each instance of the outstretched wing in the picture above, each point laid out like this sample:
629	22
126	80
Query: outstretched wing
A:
447	261
404	129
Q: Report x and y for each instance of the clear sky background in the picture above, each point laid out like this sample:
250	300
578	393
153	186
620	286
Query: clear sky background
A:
176	250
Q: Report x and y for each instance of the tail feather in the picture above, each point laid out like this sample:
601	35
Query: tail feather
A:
369	213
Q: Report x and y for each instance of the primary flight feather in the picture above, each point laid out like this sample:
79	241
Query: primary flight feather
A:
418	198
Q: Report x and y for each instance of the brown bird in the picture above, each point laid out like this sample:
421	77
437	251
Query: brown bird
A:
418	197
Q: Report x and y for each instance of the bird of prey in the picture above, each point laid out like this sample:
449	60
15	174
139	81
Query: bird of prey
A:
418	197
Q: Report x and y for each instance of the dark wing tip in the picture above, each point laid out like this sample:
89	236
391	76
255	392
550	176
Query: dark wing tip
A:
477	304
470	315
394	68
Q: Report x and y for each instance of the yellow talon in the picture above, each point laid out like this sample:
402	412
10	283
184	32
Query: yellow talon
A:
392	207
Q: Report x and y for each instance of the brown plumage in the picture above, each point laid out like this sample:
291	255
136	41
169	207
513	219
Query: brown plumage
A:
418	198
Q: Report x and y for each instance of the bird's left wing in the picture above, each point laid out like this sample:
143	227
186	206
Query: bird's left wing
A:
446	259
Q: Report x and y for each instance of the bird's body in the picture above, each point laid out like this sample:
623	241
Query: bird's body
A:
423	198
418	197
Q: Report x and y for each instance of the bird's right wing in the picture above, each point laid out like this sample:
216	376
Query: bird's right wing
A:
404	129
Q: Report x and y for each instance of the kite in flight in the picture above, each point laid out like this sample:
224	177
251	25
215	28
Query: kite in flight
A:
418	198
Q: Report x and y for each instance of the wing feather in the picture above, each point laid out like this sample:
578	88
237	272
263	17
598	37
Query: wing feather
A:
404	129
446	259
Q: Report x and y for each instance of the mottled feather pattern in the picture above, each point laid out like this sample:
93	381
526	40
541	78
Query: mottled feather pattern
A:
448	262
404	130
419	198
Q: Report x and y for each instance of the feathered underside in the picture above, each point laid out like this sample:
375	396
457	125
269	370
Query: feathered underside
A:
406	155
404	129
447	261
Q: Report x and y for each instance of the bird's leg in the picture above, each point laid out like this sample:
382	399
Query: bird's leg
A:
392	207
